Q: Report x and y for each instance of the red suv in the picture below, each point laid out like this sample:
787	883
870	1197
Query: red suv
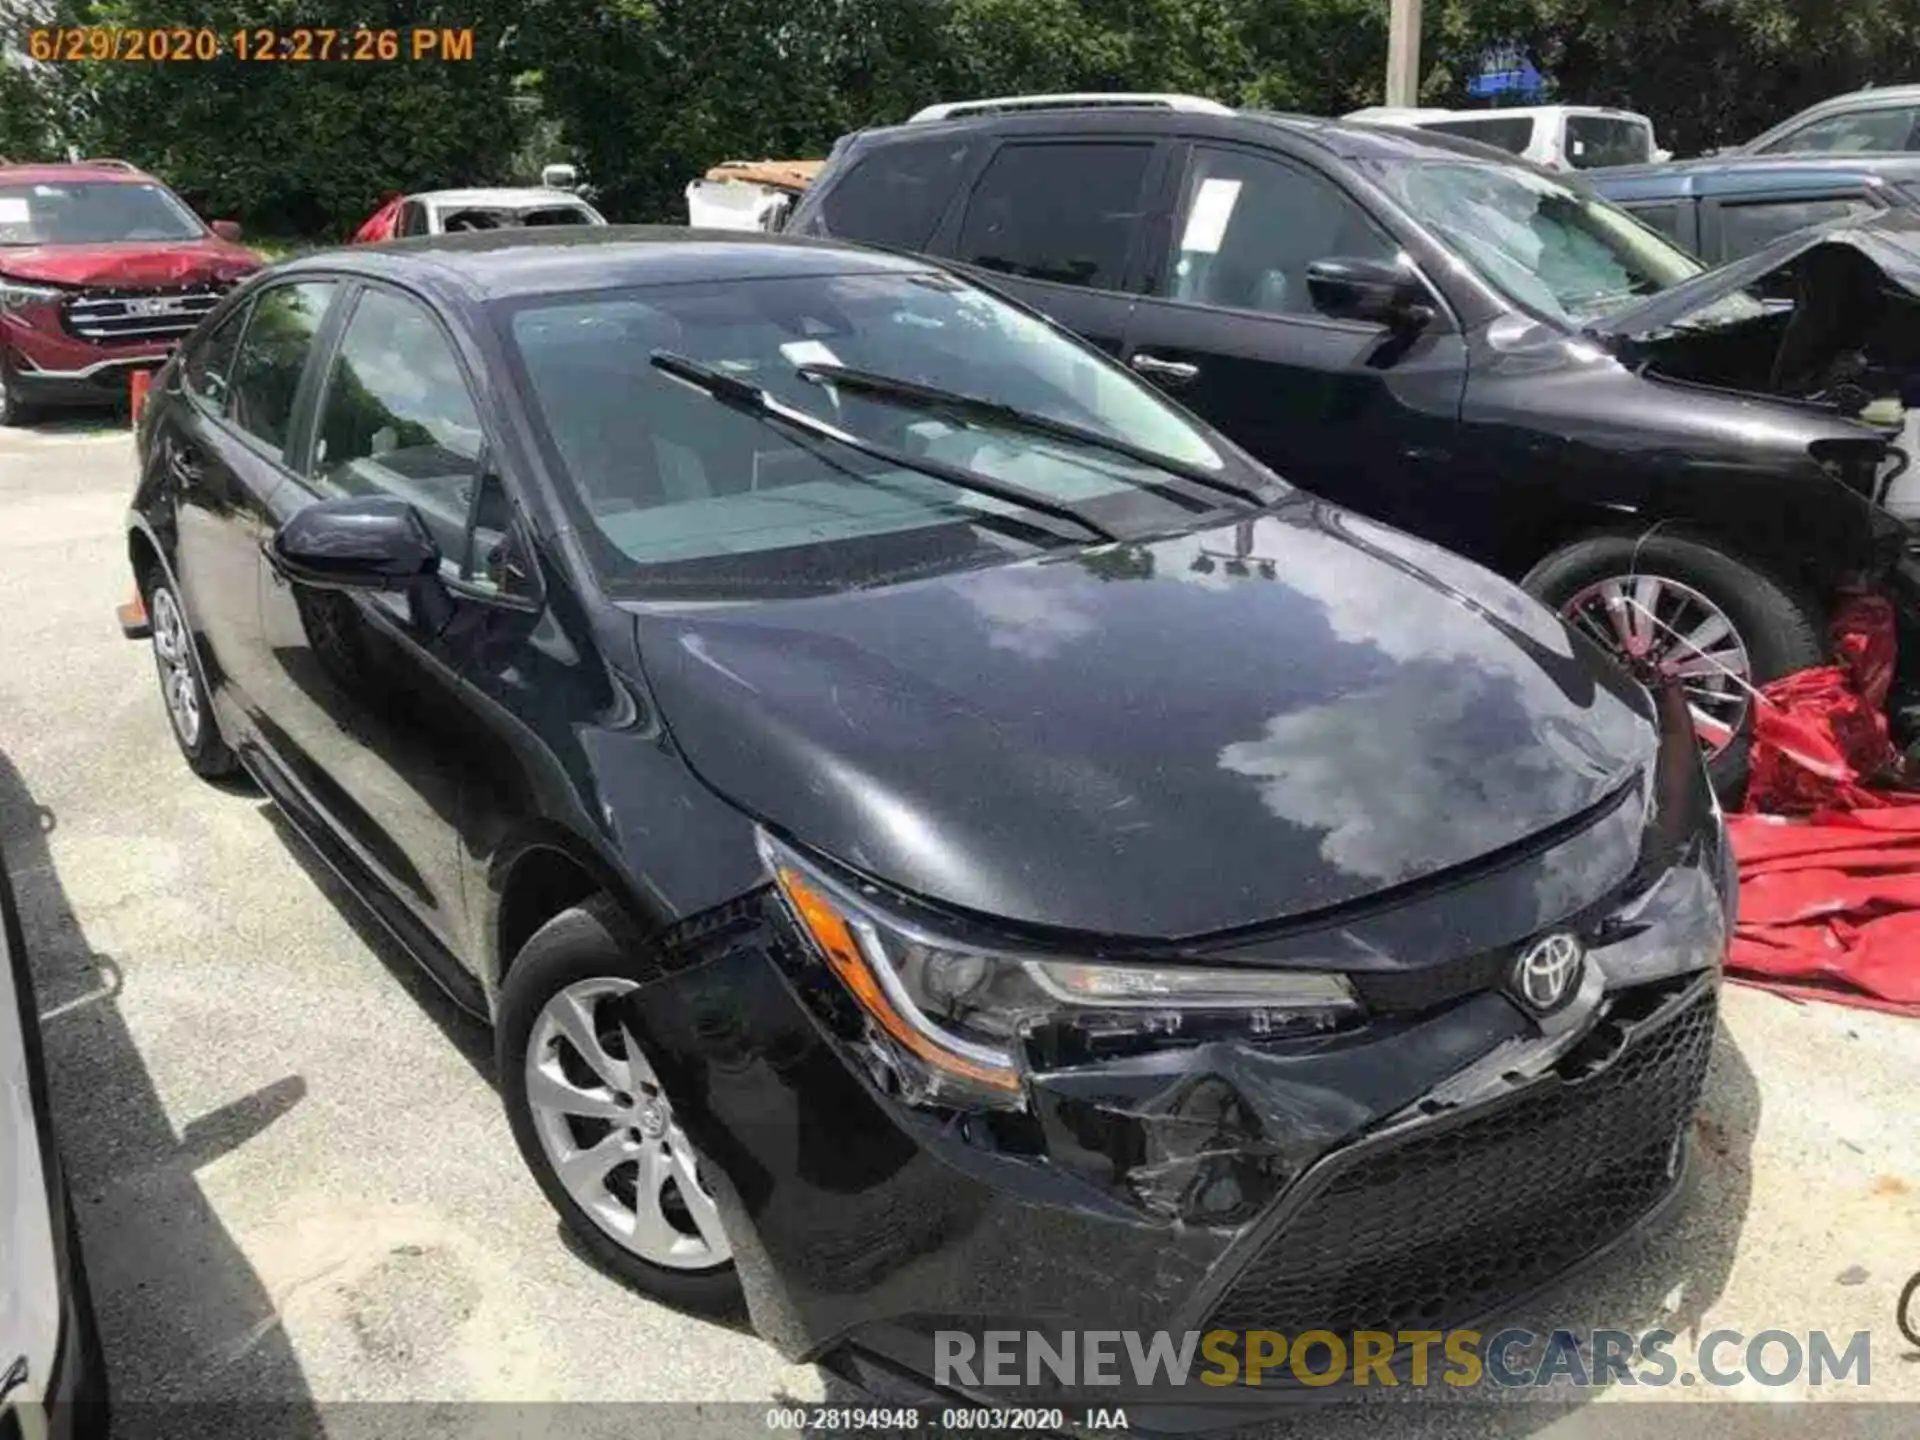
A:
102	270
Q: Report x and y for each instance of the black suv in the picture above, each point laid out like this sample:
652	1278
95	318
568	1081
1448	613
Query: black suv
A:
1439	334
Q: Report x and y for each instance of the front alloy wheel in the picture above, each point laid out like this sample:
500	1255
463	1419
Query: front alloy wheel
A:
1660	623
608	1132
593	1120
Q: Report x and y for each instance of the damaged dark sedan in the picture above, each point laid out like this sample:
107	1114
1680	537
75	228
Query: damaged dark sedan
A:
942	836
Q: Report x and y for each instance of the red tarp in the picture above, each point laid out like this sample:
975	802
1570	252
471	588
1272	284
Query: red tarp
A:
379	225
1829	842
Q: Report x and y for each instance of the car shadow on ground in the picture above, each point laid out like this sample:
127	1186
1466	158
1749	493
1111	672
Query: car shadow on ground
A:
187	1325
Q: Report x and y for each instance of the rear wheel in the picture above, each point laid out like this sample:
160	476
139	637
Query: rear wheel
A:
592	1120
1712	620
189	711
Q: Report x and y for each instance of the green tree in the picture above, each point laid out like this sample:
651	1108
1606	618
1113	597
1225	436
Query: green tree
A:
304	148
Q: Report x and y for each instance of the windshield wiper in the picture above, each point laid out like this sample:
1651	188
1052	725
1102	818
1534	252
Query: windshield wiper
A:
931	397
744	395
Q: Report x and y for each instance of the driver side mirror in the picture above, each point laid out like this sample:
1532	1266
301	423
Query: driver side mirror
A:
359	542
228	230
1380	292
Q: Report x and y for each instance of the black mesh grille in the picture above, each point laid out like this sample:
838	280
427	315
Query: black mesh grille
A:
1449	1225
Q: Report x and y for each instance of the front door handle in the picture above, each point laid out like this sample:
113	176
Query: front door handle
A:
1177	371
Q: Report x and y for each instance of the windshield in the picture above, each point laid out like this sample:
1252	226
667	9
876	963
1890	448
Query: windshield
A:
90	212
1560	252
689	495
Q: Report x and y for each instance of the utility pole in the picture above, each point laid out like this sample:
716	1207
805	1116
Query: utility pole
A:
1403	53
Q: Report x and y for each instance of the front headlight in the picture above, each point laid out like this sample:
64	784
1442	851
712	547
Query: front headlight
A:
950	1018
15	295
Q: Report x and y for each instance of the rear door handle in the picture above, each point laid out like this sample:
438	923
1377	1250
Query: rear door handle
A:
1178	371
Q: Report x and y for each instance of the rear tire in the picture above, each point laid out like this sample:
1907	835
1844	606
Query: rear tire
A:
1780	629
184	693
599	1096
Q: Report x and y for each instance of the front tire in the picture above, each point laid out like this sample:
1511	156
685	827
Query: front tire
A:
14	410
189	710
1710	618
592	1121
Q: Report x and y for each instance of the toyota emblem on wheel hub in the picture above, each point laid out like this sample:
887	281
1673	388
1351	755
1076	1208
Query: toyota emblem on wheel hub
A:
1548	972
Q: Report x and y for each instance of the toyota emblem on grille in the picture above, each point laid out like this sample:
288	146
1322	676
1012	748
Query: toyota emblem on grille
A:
1548	972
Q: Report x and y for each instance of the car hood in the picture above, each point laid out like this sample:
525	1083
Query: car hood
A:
1890	239
1155	740
134	264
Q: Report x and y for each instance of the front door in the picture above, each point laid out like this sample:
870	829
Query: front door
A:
1352	410
364	703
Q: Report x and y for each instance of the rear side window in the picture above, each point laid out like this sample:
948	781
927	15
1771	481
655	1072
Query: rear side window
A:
208	365
273	352
1512	133
1596	140
896	195
1057	212
1746	228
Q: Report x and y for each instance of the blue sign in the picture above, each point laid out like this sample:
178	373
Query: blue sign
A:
1505	70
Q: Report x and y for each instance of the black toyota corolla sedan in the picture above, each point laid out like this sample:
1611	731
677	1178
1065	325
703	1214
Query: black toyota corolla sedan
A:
942	836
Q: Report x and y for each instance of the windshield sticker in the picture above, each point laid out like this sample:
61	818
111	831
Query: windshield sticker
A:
808	352
13	210
1212	209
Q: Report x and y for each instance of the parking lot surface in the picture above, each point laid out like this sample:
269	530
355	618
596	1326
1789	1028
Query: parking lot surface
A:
295	1183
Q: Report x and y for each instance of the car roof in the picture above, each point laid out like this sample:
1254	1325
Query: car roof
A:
1868	99
1717	173
1349	140
49	174
502	195
493	265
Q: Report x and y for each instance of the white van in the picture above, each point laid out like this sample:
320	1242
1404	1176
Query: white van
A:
1560	137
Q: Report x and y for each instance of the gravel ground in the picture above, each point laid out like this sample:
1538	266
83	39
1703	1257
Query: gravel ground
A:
295	1183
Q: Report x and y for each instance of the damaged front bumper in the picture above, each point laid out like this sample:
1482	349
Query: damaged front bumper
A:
1446	1155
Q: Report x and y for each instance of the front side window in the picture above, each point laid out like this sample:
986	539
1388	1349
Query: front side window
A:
273	353
397	417
413	219
1557	250
680	493
1887	129
92	212
1249	228
1666	217
1061	212
1747	228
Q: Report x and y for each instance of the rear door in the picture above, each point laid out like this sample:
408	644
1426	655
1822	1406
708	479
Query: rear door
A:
223	454
1230	329
1060	223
